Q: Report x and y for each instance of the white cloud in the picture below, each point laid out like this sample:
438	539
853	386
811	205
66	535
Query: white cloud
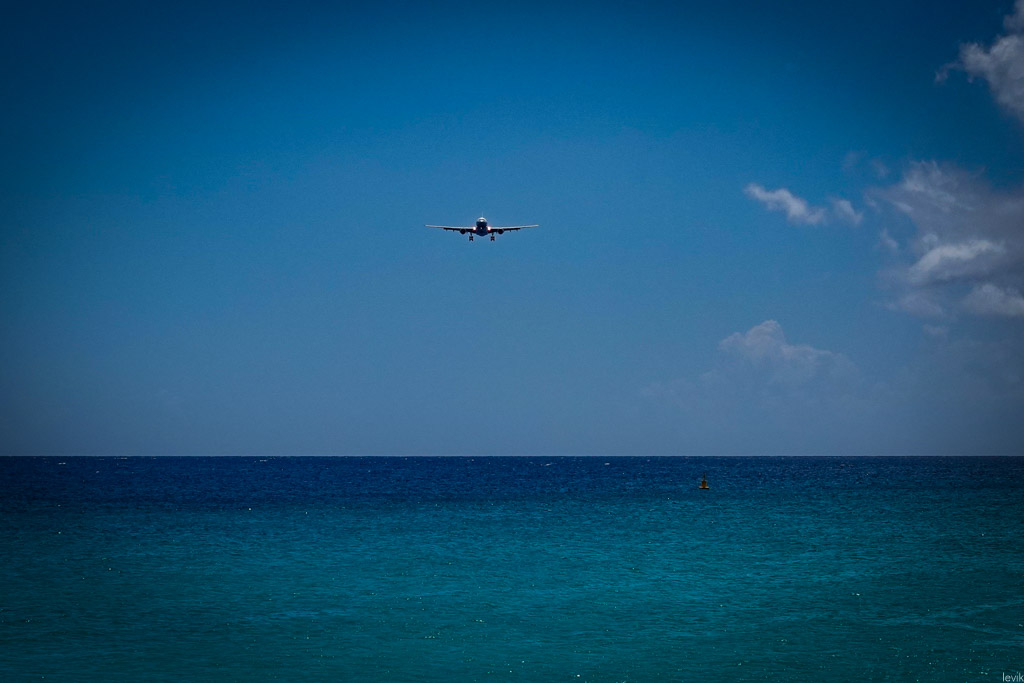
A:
887	243
765	394
947	262
966	235
844	210
1015	22
1001	64
988	299
797	210
923	304
765	348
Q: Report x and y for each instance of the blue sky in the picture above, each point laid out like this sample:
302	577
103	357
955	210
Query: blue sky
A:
794	230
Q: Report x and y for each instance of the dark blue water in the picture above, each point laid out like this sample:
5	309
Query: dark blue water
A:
511	569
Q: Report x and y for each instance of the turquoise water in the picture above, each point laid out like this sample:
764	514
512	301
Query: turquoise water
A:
511	569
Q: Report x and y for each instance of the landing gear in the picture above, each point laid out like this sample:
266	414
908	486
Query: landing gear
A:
470	238
492	238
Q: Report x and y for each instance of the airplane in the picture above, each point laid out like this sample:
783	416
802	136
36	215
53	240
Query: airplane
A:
481	228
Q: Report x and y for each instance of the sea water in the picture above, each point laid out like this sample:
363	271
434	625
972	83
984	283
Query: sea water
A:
511	569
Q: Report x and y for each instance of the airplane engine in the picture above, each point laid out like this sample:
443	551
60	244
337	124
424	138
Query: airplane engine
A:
462	232
501	232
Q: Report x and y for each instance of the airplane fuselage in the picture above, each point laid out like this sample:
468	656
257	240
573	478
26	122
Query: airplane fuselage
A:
481	228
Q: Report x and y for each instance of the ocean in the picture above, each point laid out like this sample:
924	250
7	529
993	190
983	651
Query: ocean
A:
511	569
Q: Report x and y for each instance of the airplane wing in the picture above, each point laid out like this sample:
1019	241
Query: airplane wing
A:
513	227
451	227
